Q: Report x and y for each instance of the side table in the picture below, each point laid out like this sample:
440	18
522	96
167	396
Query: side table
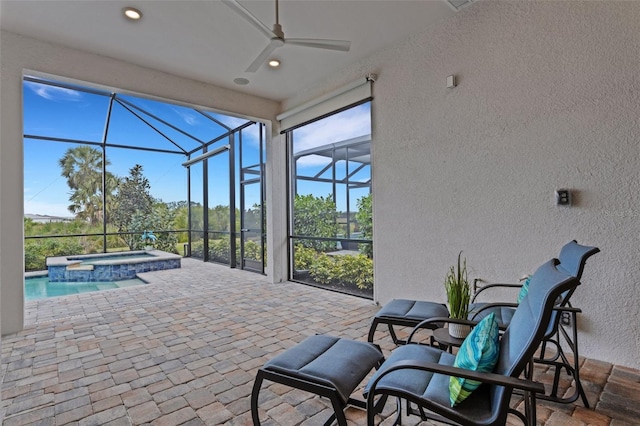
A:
444	340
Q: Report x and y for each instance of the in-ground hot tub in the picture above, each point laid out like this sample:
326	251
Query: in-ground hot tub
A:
109	266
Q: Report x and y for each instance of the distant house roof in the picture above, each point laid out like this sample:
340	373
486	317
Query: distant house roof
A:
41	218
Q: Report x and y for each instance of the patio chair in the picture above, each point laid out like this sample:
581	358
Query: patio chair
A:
420	374
409	313
573	257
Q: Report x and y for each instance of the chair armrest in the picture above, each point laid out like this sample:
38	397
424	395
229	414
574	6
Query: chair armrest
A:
424	324
569	309
492	285
490	378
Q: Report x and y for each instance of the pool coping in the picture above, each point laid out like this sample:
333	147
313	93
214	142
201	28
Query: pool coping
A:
158	255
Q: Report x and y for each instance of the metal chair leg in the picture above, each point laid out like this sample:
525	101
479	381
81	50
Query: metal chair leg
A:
254	398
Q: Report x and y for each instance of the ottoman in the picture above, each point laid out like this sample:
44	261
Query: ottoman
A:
327	366
407	313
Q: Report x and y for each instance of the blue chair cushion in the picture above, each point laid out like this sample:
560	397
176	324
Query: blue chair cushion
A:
478	352
416	310
479	311
431	386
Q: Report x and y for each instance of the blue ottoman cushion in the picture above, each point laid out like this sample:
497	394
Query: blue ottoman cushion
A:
417	310
330	361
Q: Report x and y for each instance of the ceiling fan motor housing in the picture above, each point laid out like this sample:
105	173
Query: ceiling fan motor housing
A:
277	30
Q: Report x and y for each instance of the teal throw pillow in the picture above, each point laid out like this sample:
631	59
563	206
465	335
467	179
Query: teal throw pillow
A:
524	289
479	352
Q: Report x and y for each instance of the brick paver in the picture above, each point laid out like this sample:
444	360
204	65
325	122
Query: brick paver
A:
185	348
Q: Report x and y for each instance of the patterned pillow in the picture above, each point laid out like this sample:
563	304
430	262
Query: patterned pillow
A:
524	289
479	352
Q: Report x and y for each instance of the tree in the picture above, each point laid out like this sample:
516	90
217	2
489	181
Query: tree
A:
82	167
253	217
219	218
315	217
365	221
132	201
181	220
161	218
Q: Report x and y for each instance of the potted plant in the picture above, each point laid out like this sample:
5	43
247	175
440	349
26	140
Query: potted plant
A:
148	238
458	290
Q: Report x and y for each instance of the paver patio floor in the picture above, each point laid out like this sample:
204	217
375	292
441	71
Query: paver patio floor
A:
185	349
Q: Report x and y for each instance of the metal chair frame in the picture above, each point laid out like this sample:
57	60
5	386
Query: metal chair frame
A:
556	335
514	362
560	359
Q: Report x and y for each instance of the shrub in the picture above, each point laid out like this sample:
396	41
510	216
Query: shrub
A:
303	257
337	270
219	250
37	251
355	269
197	249
365	221
251	250
323	269
315	217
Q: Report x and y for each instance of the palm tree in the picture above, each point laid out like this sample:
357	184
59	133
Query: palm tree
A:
82	167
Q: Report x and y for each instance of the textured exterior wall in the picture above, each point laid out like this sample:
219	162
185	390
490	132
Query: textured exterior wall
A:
548	98
25	54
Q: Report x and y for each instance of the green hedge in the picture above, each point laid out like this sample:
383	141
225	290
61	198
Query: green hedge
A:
37	251
335	270
219	250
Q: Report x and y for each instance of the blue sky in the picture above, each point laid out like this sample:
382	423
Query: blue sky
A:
65	113
71	114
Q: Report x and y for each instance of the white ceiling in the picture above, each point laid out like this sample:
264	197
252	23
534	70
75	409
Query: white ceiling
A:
207	41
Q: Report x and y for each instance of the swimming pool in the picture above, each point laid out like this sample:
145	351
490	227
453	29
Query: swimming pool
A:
109	266
39	287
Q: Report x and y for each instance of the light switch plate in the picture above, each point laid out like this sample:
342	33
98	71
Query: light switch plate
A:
451	81
563	197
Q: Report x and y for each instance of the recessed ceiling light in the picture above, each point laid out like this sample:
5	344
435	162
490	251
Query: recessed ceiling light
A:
132	13
274	63
241	81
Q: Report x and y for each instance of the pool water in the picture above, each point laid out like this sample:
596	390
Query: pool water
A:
36	288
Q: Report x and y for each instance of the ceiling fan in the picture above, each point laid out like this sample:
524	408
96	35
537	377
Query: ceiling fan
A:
277	39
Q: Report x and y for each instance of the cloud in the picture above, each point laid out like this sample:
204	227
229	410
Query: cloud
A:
232	122
54	93
227	120
347	125
190	118
337	128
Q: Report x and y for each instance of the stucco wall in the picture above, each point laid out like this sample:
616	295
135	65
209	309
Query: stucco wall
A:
548	98
22	53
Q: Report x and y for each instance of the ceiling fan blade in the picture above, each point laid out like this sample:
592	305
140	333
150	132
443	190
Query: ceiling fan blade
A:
248	16
263	56
342	45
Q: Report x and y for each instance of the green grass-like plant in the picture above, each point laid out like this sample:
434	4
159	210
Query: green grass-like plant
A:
458	290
